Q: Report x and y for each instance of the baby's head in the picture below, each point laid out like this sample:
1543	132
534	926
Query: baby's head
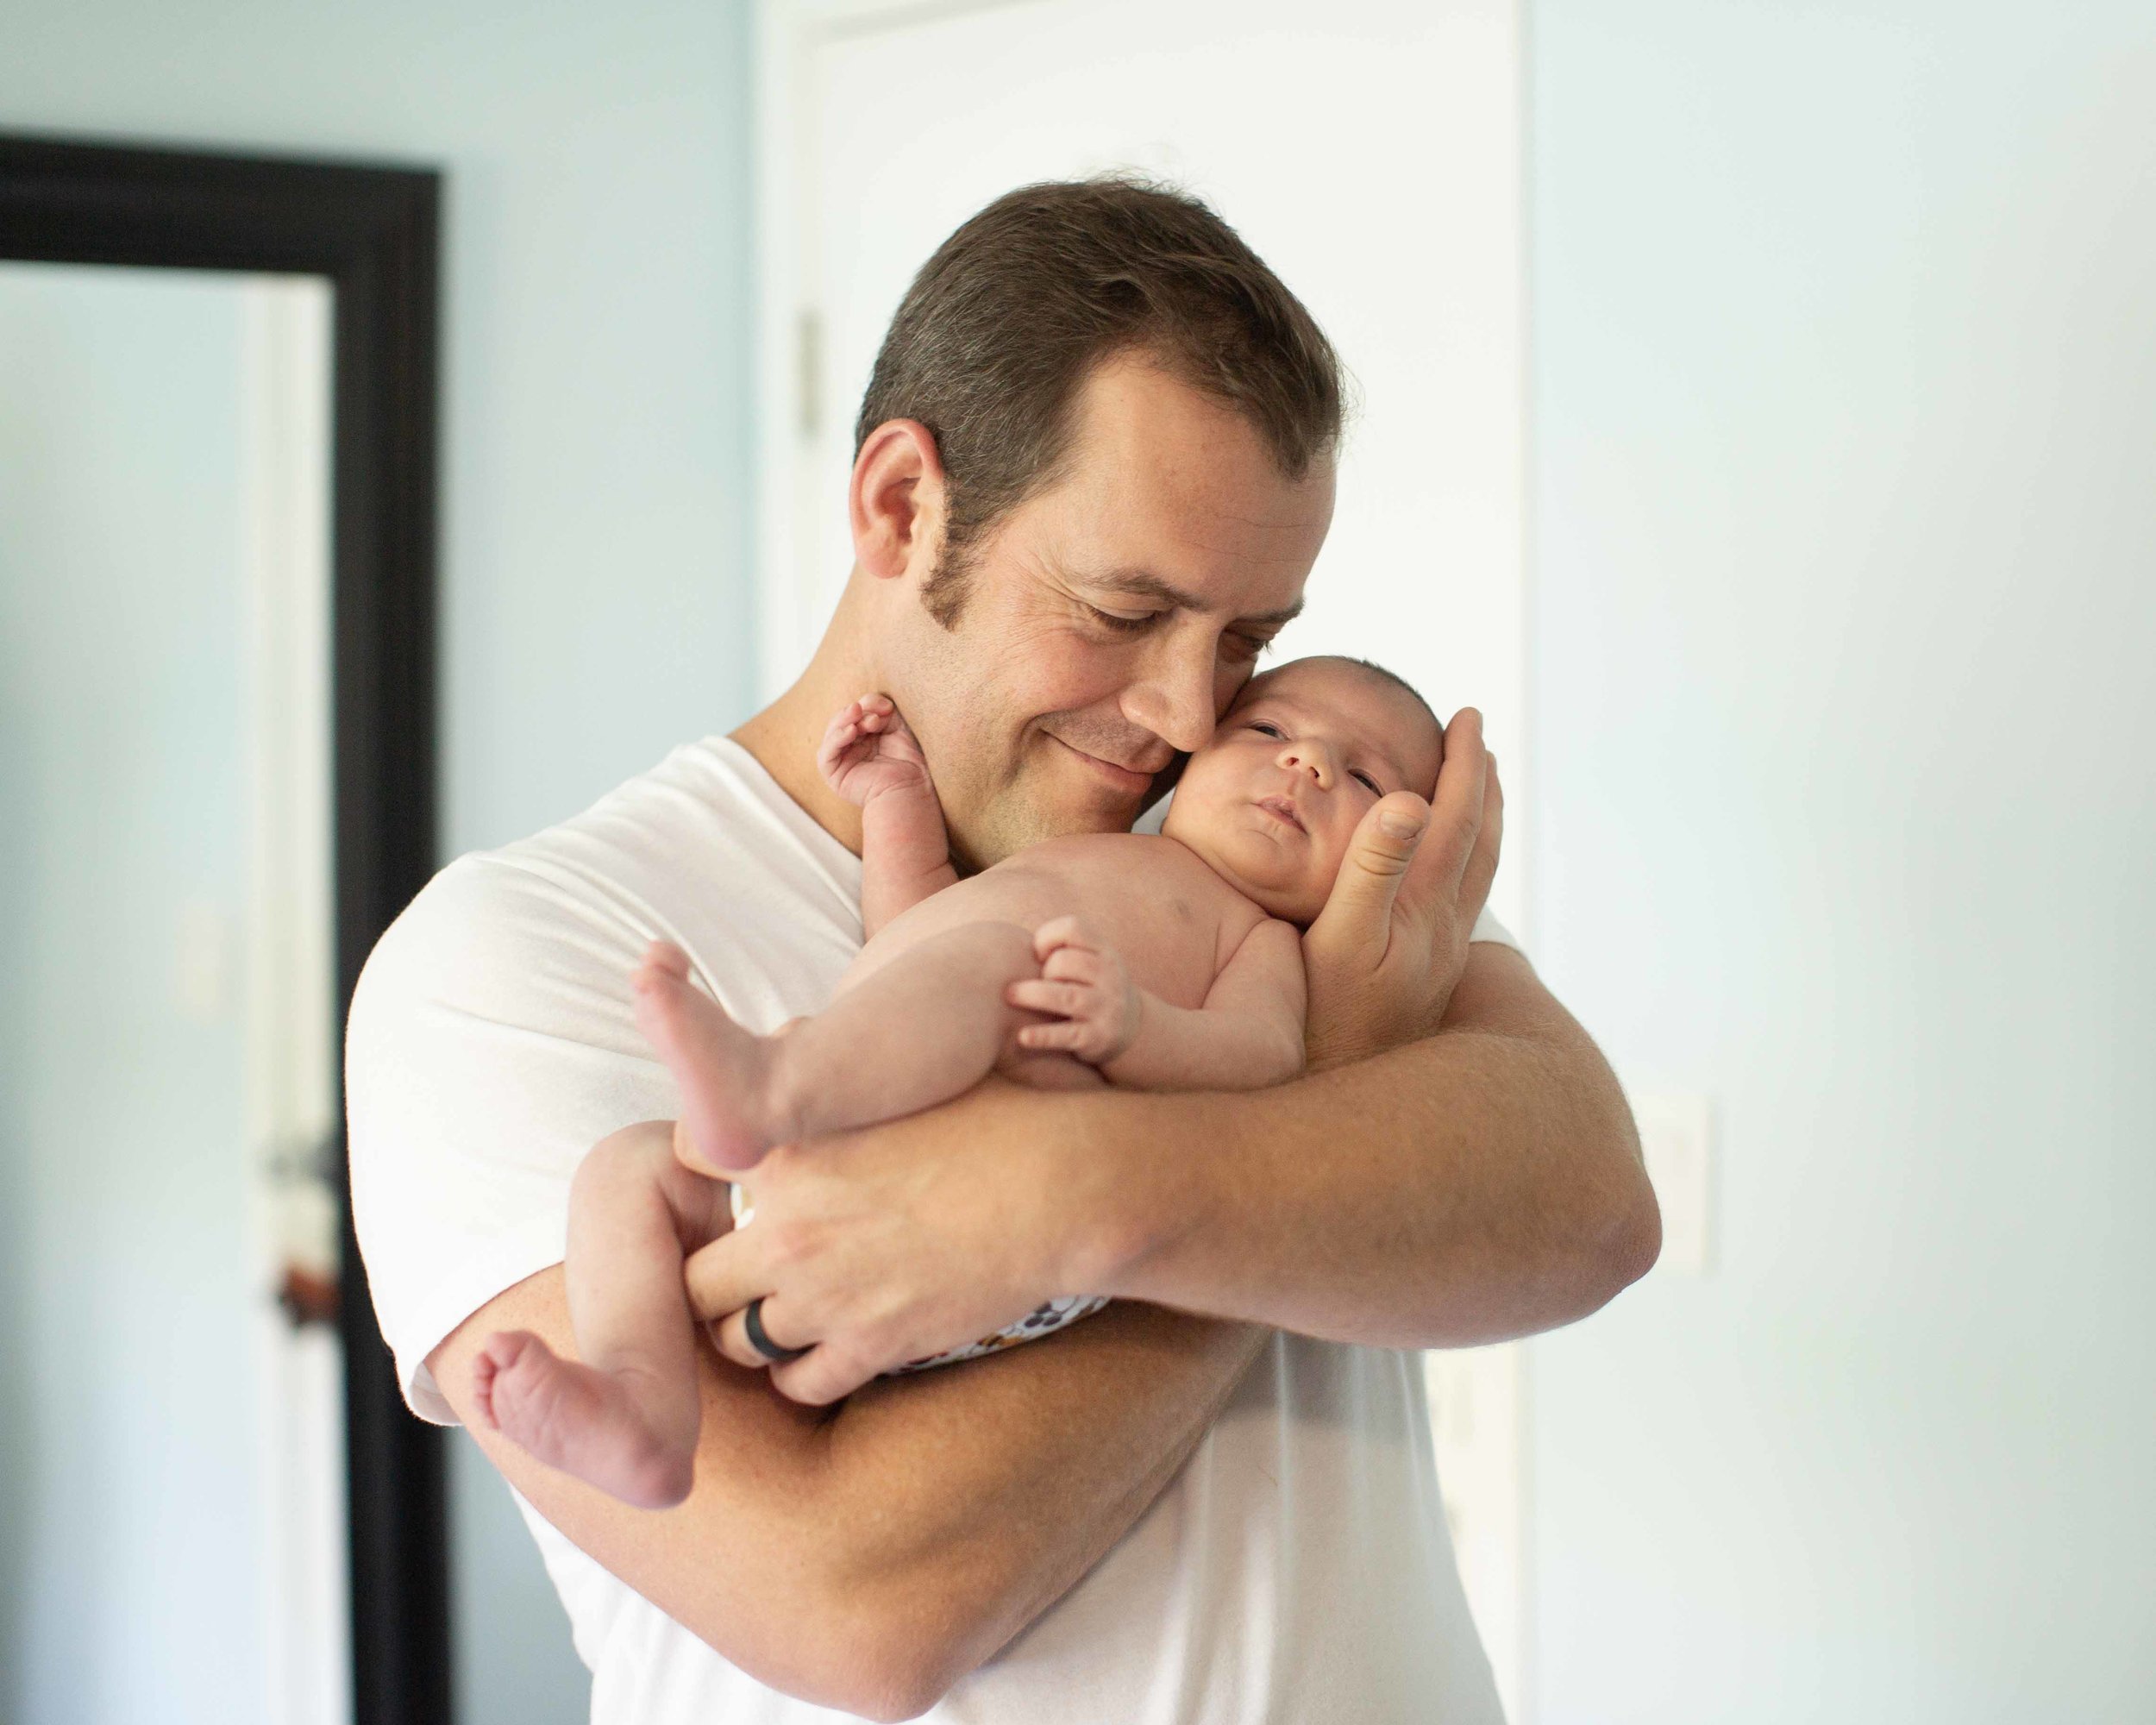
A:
1306	748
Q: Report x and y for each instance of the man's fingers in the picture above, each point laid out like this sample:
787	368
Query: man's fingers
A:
726	1275
1481	862
1456	817
820	1376
1378	857
731	1337
731	1333
827	1371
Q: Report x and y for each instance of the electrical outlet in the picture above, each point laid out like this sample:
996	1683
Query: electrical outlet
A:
1676	1138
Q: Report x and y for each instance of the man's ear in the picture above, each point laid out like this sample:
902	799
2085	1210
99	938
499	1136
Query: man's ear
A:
896	501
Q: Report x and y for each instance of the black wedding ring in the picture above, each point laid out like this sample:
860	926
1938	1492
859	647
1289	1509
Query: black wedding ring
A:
752	1322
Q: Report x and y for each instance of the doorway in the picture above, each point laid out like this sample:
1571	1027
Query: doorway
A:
216	583
1374	157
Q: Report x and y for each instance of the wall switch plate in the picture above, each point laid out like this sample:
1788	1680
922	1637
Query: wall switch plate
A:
203	980
1676	1137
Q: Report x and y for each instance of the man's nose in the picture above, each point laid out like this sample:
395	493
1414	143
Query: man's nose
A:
1305	755
1174	702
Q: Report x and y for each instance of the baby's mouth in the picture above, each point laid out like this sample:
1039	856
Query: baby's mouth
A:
1285	810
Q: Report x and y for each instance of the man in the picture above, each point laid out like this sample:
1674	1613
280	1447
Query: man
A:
1095	465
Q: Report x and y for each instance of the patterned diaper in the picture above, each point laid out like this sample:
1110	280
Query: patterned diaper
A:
1043	1320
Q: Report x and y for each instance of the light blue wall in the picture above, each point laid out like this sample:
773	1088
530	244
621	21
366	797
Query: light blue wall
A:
129	1509
596	533
595	462
1844	393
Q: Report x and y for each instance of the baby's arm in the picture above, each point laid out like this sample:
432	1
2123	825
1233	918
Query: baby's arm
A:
870	758
1248	1034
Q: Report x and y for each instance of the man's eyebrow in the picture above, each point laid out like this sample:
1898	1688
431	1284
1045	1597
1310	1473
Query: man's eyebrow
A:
1144	584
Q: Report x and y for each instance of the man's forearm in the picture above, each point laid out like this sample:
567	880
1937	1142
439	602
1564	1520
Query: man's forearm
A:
866	1558
975	1496
1478	1185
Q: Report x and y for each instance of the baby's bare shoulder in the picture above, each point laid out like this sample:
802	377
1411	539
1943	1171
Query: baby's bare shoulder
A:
1151	879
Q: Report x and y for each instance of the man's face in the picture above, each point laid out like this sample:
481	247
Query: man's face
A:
1108	620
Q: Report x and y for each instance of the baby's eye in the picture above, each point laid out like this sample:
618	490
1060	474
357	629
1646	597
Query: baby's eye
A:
1265	728
1364	778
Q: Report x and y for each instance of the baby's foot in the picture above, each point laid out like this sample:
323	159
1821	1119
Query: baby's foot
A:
579	1420
724	1072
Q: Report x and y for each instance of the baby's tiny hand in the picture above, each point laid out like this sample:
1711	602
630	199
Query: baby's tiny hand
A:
1083	983
868	749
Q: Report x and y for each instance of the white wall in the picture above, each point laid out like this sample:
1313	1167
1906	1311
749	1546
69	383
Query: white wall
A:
1845	398
595	533
1843	326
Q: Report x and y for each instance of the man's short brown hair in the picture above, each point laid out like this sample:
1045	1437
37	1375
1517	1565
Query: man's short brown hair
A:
1017	307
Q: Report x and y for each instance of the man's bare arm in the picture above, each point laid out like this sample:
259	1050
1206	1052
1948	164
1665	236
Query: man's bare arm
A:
1460	1164
1483	1181
868	1555
1476	1185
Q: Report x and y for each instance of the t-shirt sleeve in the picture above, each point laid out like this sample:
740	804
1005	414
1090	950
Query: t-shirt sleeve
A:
491	1042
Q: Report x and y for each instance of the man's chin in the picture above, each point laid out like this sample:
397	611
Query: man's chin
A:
1043	806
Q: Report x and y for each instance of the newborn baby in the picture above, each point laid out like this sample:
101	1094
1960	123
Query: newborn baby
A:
1159	962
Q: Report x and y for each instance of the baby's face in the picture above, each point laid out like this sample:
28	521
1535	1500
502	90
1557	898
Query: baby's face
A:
1273	800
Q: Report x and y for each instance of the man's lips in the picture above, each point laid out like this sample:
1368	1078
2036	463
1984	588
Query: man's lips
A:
1124	778
1283	808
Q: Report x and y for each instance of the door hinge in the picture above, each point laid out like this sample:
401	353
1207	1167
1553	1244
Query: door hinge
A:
808	361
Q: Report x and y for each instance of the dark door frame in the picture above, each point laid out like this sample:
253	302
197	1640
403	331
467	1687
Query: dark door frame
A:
374	232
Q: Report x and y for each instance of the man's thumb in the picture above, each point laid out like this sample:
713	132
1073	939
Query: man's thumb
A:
1376	861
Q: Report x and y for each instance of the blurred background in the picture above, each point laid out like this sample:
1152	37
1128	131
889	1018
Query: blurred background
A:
1758	421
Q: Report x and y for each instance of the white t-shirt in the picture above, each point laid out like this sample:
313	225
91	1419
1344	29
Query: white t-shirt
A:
1297	1569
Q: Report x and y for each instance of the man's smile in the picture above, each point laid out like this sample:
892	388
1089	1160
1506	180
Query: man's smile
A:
1128	780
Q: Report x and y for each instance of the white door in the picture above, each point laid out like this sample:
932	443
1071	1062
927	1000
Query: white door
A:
1372	154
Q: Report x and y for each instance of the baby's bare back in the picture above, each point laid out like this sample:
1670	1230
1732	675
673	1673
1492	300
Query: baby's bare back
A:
1174	922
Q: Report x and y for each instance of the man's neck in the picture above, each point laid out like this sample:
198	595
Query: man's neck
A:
785	736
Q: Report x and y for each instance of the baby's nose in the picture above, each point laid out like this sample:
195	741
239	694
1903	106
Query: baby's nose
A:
1305	757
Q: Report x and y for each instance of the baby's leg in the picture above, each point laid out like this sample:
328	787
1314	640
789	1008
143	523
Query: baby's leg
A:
921	1026
623	1417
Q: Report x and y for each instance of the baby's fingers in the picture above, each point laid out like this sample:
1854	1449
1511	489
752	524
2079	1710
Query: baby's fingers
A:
1072	965
1064	930
841	731
1066	1000
1068	1039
